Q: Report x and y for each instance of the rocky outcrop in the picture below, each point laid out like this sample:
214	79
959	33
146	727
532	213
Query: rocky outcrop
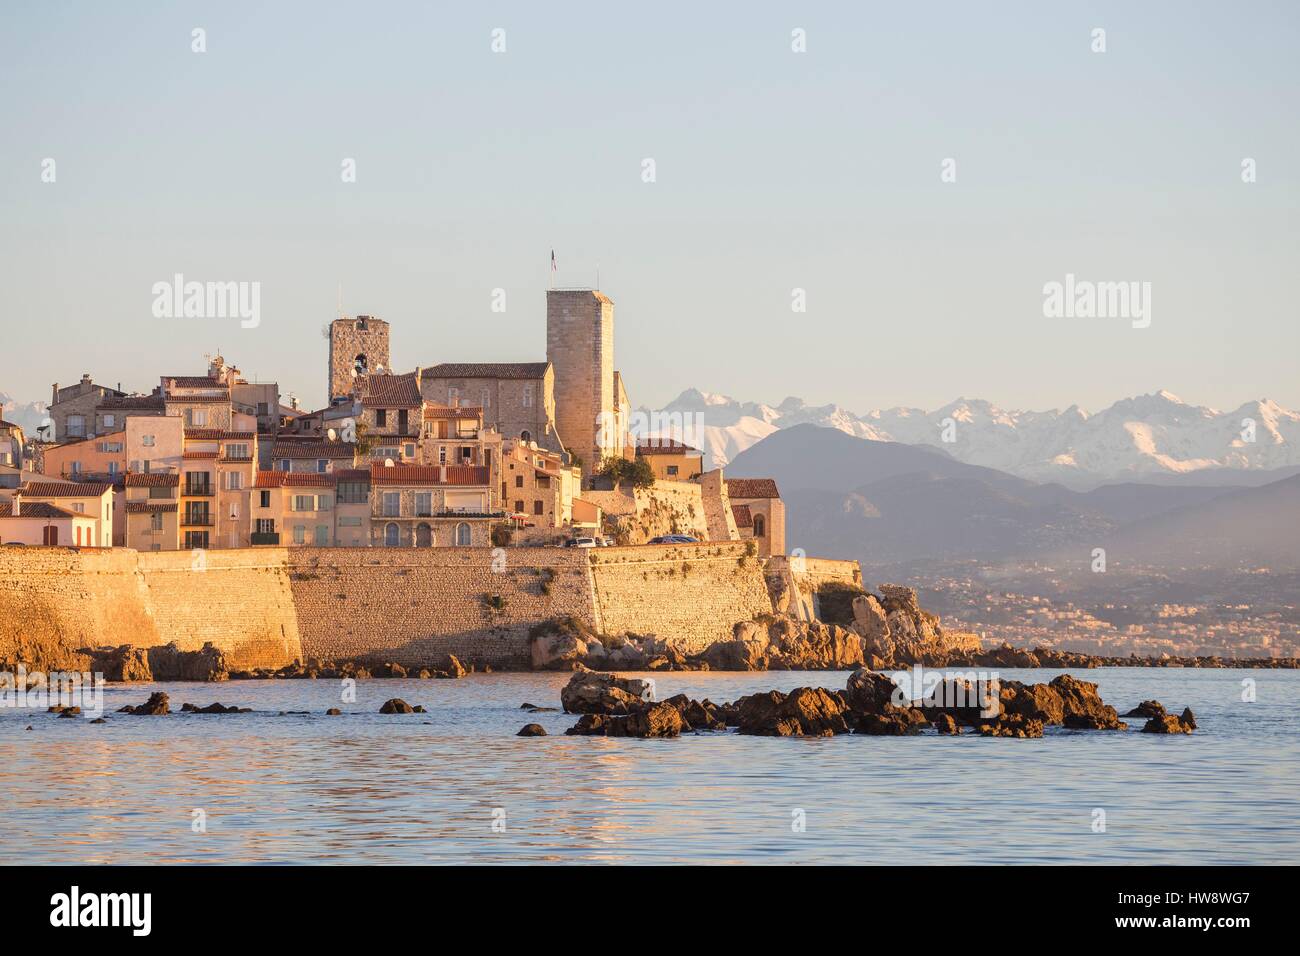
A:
396	706
126	663
1148	709
214	708
804	712
589	692
157	705
782	642
169	663
651	720
531	730
1165	723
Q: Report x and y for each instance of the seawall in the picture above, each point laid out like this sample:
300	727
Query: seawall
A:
269	607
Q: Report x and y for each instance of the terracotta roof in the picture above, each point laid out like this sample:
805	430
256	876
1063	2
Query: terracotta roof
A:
743	518
352	474
294	479
487	370
400	391
37	509
149	507
199	454
664	446
428	475
152	480
314	449
71	489
134	402
193	381
217	434
752	488
432	410
198	399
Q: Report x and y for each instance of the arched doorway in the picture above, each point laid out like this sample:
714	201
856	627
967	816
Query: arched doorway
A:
390	535
525	436
462	535
361	365
423	535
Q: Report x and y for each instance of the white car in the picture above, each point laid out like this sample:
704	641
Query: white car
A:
580	543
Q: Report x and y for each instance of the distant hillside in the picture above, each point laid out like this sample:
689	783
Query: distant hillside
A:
883	502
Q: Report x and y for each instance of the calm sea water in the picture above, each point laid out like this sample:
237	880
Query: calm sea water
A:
365	788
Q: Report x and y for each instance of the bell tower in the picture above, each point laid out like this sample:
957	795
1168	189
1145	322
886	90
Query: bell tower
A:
358	346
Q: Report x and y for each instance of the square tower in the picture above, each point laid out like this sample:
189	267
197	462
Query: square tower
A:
357	347
580	347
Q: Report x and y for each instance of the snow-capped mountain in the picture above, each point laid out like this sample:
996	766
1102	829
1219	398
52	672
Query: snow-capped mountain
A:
28	416
1148	437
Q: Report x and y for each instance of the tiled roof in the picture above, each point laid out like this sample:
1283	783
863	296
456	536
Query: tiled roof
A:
149	507
217	434
352	474
447	411
315	449
37	509
743	518
71	489
487	370
175	399
152	480
294	479
391	391
133	402
428	475
193	381
752	488
199	454
664	446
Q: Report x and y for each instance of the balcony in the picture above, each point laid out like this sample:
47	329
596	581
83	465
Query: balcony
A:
265	537
197	520
198	491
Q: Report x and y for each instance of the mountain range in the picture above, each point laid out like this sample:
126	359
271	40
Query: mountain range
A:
888	503
1156	437
27	415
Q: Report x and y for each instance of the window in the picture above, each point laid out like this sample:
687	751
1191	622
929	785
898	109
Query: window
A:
322	535
442	454
300	534
392	504
284	464
408	451
109	421
156	521
110	447
519	505
263	409
75	467
403	419
265	500
543	481
354	522
462	535
196	417
237	450
466	454
390	535
528	395
322	466
146	440
324	502
113	467
672	470
525	436
79	507
158	491
266	526
519	481
234	481
423	504
453	395
537	507
381	417
353	492
760	526
423	535
304	503
76	426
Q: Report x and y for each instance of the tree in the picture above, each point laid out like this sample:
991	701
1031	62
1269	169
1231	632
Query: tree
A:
637	471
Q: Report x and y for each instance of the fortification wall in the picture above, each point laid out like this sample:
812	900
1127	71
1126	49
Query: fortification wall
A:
691	593
416	606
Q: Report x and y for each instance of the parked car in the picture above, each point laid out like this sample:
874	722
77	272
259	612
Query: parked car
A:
581	543
674	539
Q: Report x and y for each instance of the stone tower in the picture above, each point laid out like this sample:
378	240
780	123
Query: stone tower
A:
580	347
357	345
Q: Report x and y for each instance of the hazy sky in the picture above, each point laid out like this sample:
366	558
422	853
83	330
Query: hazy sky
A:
775	170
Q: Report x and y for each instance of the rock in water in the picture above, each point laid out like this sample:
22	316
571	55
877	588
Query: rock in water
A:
1083	707
589	692
1148	708
156	705
1171	724
531	730
804	712
126	663
169	662
396	706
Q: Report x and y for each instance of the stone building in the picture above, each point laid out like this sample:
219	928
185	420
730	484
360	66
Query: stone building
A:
430	506
358	347
537	486
766	511
73	407
152	511
293	509
517	398
670	460
591	409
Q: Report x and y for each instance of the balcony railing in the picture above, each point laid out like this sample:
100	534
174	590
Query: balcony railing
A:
199	491
265	537
197	521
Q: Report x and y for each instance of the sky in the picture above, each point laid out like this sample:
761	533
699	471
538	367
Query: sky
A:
774	171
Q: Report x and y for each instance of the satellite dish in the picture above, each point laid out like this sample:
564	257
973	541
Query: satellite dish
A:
388	463
354	373
333	436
